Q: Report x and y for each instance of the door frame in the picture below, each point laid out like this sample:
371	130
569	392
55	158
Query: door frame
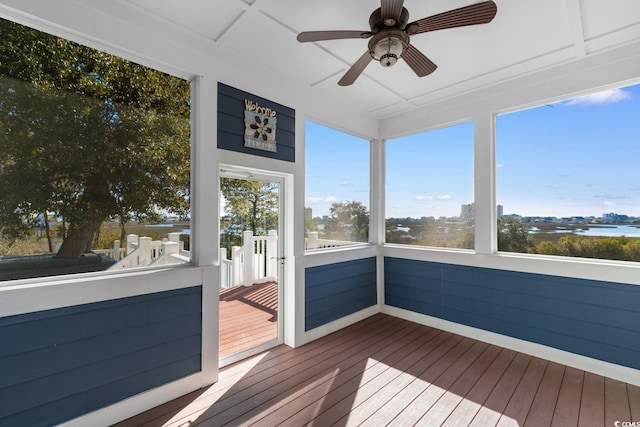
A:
239	172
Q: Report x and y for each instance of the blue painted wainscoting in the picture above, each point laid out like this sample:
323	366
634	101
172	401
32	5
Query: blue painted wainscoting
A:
592	318
59	364
337	290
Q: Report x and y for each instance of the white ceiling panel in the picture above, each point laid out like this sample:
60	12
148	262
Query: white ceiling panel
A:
609	24
275	46
206	18
524	37
603	17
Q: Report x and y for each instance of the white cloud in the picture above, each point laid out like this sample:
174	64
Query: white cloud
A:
499	165
344	183
606	97
445	197
422	197
610	196
316	200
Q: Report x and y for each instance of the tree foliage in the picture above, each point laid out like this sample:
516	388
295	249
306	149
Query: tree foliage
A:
620	248
86	136
348	221
513	236
249	206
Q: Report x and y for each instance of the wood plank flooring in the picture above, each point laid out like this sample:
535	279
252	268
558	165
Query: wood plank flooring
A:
387	371
248	316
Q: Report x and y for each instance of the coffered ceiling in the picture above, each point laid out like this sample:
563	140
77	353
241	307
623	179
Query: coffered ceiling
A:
524	37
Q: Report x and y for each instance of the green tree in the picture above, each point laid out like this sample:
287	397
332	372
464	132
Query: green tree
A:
513	236
87	136
348	221
249	205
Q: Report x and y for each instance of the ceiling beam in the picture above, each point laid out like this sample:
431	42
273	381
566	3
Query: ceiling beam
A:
575	24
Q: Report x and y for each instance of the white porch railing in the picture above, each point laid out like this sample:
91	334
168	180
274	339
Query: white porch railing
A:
254	262
312	242
143	251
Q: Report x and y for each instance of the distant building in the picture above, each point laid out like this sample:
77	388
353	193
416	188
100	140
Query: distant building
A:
608	218
468	212
308	214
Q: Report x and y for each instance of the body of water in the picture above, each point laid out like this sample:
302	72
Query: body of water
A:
601	231
612	231
183	231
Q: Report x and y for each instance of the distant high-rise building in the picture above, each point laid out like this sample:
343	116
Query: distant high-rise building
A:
467	212
308	214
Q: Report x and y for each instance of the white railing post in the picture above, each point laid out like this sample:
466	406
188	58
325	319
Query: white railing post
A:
236	266
312	240
272	255
247	258
132	243
116	250
169	248
224	269
144	246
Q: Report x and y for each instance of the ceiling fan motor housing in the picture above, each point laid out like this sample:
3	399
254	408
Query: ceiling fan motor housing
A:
376	23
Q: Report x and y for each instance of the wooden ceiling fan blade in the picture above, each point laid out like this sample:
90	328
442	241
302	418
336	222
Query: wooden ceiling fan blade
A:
316	36
356	69
420	64
391	9
479	13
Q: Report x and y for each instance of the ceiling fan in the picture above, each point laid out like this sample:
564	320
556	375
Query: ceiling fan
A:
391	31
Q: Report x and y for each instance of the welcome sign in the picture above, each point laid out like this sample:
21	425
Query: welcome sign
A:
260	125
255	126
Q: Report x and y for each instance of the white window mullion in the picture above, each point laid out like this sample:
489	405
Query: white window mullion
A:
484	184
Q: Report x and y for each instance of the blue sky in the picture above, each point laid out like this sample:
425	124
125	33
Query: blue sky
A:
578	157
573	158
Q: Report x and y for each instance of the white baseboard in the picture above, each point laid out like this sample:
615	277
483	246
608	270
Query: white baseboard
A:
142	402
336	325
598	367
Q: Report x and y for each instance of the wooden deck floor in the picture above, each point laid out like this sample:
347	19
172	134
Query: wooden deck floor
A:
248	316
388	371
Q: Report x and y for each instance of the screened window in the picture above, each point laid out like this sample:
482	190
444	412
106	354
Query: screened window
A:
568	179
336	188
429	188
94	159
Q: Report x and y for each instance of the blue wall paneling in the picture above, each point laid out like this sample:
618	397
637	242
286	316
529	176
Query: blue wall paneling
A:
63	363
337	290
587	317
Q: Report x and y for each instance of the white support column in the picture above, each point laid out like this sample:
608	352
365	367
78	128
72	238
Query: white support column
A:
484	184
377	182
377	229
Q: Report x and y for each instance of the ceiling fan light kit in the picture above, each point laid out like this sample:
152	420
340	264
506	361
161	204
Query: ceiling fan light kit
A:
390	35
386	47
